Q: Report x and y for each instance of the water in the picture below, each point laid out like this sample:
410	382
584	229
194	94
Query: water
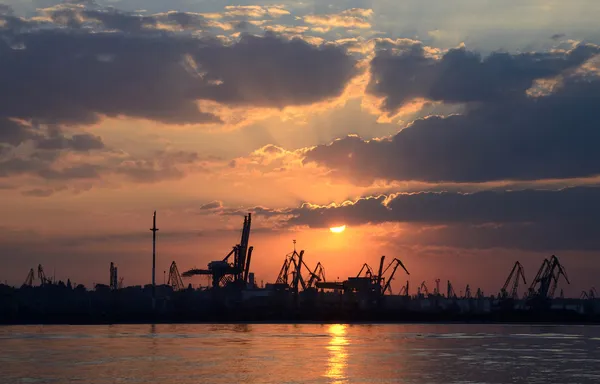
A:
218	354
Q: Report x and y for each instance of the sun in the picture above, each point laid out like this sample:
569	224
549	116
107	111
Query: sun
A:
339	229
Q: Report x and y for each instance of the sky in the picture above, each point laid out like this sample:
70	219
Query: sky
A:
457	136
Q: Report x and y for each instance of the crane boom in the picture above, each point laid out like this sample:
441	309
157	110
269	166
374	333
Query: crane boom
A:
397	263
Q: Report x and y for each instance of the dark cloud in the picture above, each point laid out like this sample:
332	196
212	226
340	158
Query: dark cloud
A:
18	166
569	204
464	76
527	219
79	142
554	136
557	36
158	76
212	205
14	133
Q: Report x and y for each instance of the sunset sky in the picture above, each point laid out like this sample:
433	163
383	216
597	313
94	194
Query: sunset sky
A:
459	136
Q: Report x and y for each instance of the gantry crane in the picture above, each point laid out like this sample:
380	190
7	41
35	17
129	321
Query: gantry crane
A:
517	273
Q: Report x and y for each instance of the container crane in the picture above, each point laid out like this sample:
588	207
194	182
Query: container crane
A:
517	273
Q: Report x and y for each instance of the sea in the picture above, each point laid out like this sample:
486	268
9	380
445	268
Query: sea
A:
300	353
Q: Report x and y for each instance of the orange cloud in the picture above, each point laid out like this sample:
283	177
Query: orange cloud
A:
255	11
350	18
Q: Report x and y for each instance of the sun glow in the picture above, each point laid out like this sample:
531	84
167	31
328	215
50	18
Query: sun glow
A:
338	229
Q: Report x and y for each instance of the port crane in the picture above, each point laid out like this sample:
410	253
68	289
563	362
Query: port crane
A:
467	292
318	274
546	280
367	270
224	272
291	272
175	280
404	290
591	294
29	279
517	273
450	291
394	264
42	276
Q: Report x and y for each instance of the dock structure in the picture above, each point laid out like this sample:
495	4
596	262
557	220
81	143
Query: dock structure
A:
301	291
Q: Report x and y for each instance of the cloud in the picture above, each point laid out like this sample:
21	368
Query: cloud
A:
14	133
462	76
483	207
212	205
350	18
525	219
75	172
79	142
255	11
550	137
158	167
38	192
159	76
51	160
6	10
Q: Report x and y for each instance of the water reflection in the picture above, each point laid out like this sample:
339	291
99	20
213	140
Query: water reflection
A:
316	354
338	355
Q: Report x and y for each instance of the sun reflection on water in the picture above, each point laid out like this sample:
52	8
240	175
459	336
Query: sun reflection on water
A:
337	362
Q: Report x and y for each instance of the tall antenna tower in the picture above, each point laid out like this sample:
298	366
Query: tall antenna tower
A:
154	229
